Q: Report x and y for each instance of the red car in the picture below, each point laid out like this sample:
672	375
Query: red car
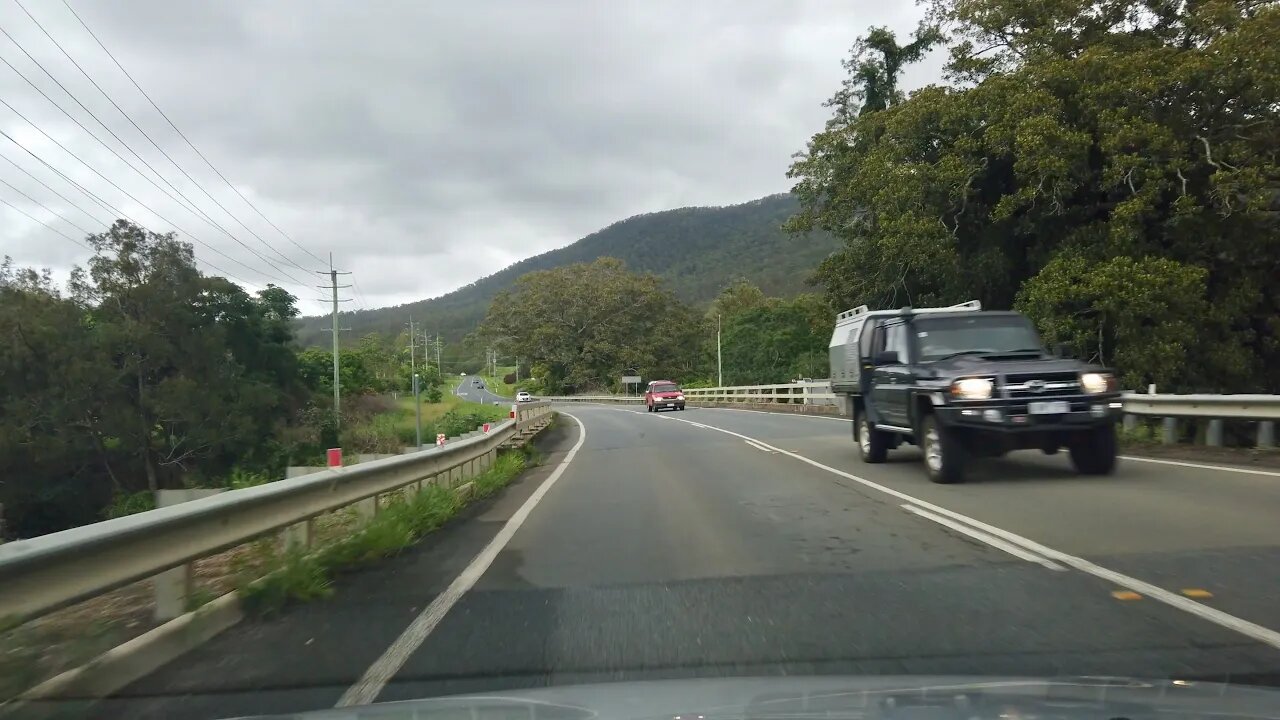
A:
663	394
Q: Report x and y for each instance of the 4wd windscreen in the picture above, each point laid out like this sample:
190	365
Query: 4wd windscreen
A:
669	387
941	337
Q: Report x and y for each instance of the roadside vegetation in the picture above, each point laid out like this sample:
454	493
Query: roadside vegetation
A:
1109	169
143	374
275	578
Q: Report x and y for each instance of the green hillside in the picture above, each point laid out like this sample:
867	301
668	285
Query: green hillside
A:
696	250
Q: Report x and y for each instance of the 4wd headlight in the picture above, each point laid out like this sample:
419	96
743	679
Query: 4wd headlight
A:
680	397
1094	383
972	388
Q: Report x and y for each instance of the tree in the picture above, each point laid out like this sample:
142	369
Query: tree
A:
58	465
581	326
874	66
1103	135
147	375
739	297
778	341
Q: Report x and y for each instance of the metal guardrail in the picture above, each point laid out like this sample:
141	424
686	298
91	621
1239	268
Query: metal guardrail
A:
1264	409
1241	407
45	573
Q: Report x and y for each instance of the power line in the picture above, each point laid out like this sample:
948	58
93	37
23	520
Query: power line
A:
359	295
50	188
81	244
194	210
122	214
77	158
154	143
73	118
46	208
184	136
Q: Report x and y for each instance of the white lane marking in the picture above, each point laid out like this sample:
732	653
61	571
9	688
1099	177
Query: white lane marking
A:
370	684
980	536
754	445
1262	634
1202	466
777	414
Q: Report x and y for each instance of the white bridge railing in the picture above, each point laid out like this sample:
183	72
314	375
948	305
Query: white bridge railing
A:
1264	409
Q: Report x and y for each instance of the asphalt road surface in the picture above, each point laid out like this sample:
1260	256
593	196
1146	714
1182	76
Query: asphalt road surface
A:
466	389
732	543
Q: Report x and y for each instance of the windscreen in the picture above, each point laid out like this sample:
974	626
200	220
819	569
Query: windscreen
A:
940	337
664	387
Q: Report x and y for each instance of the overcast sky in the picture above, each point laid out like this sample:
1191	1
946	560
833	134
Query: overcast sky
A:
425	144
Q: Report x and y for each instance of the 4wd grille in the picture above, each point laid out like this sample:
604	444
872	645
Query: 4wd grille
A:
1041	385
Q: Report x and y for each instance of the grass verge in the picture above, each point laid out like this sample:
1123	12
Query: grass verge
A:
295	576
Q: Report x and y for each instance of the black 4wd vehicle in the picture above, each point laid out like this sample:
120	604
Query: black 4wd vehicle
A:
960	382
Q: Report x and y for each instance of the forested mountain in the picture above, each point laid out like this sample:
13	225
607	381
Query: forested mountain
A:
697	250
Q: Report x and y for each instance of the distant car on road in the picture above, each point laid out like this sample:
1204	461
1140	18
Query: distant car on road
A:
523	396
663	394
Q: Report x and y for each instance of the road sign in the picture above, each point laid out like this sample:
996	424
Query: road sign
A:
630	379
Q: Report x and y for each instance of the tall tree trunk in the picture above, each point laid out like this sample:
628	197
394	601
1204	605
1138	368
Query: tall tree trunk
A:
152	483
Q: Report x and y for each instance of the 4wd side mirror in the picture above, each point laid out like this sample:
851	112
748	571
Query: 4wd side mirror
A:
1062	350
886	357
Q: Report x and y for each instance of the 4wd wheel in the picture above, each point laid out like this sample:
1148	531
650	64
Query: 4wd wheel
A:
944	456
1094	452
873	444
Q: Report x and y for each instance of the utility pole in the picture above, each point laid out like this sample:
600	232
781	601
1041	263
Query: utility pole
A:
417	404
413	368
719	363
334	286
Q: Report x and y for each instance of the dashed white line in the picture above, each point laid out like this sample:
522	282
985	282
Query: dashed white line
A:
1257	632
755	445
369	685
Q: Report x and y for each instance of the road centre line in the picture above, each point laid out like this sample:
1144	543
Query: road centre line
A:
752	444
1257	632
367	688
982	537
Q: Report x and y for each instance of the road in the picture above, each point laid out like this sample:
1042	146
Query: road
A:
732	543
470	392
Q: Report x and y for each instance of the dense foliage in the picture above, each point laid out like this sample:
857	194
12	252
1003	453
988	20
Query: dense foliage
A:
584	326
1109	166
145	374
695	250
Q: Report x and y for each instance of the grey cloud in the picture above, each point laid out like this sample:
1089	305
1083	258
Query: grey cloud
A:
428	144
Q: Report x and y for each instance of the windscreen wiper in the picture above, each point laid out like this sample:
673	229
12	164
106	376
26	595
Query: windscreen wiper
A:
964	352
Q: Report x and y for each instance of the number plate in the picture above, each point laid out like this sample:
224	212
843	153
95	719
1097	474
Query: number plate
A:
1054	407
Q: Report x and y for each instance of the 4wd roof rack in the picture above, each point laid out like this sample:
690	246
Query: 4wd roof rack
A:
863	310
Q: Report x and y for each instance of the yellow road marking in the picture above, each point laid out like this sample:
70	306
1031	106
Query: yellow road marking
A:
1196	593
1125	595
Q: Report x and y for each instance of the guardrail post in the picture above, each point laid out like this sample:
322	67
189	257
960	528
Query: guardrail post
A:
1213	436
1266	434
1170	431
298	535
1130	423
173	586
366	509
